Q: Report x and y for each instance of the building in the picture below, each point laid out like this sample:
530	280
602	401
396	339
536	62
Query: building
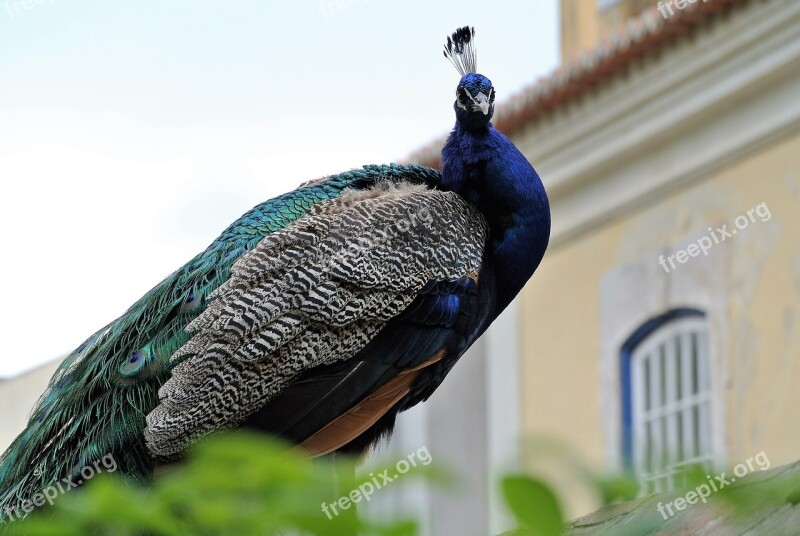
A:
663	326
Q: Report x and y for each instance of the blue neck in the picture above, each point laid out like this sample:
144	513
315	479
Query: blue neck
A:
485	168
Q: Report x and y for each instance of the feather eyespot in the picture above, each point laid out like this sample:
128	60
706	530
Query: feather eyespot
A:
141	362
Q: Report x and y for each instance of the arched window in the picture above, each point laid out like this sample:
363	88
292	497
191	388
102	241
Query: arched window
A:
667	398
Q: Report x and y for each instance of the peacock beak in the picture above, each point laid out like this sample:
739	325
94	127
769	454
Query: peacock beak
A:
481	103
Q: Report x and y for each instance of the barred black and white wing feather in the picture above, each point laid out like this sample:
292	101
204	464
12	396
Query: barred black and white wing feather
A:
313	294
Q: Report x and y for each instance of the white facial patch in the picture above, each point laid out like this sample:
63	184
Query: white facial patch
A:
480	103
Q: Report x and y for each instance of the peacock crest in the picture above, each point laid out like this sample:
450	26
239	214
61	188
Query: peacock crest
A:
460	50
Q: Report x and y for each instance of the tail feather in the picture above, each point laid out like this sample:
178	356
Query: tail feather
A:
95	405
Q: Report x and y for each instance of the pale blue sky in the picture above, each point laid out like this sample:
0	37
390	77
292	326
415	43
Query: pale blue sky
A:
132	133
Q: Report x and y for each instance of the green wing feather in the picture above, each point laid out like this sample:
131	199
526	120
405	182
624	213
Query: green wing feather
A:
98	398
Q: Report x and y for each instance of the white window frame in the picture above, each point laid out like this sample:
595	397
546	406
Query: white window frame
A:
671	415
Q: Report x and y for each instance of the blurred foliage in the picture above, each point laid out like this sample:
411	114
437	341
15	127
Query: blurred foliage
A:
242	484
230	484
608	488
534	505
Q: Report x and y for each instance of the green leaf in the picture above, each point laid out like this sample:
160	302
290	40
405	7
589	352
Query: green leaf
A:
534	505
621	488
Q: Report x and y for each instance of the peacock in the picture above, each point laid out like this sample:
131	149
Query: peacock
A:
316	317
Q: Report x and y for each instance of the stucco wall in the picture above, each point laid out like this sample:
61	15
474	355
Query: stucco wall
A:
750	283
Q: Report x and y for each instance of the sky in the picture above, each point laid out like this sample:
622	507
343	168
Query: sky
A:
133	133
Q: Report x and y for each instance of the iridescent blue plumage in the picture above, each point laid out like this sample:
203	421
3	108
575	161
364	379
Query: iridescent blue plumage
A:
482	165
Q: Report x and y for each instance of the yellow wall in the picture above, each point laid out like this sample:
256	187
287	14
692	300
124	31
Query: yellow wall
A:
583	26
561	309
579	27
765	314
560	344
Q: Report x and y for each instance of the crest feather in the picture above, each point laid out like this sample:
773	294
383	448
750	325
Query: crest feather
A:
460	50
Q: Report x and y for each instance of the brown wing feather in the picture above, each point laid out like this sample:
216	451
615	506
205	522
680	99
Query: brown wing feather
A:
348	426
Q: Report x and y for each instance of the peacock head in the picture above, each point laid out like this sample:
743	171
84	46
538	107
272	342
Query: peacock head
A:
474	103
